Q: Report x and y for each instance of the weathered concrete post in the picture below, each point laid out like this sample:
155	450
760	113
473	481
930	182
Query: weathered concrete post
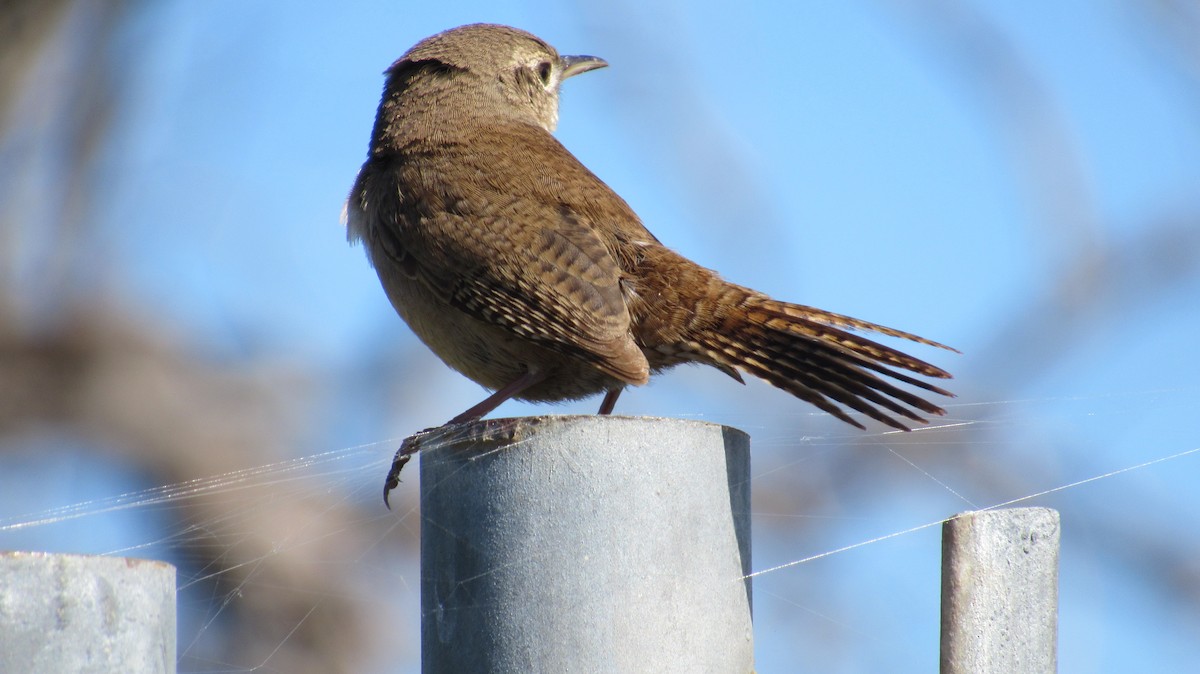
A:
1000	592
86	614
586	544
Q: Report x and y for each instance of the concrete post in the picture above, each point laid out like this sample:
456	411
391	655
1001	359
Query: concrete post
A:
586	544
1000	592
84	614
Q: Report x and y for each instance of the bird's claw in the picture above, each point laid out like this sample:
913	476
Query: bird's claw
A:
393	476
410	446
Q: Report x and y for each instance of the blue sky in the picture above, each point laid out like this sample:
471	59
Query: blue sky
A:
856	157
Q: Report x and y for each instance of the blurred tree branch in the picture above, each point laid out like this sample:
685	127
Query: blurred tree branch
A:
72	357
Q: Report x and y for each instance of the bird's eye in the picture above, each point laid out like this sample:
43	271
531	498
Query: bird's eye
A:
544	71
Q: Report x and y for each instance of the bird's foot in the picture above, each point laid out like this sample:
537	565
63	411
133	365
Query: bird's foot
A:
411	445
495	431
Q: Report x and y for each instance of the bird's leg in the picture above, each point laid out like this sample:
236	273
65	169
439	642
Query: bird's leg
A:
610	400
412	444
493	401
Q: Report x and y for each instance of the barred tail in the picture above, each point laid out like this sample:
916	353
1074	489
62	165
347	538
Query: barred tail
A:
811	354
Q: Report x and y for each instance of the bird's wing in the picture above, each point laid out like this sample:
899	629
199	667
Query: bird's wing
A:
505	226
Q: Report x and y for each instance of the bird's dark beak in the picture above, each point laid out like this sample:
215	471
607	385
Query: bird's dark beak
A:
574	65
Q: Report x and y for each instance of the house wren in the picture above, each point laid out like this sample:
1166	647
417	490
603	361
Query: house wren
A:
522	270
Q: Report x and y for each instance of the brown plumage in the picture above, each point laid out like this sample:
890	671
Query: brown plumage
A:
526	273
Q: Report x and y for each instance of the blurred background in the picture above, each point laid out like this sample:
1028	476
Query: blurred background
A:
196	367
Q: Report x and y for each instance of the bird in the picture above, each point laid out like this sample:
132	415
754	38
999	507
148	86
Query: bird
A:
525	272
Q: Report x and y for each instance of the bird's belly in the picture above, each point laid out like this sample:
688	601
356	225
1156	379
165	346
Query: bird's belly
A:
488	354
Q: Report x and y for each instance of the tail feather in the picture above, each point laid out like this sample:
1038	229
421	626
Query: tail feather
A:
900	376
726	349
806	352
783	317
806	313
830	380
